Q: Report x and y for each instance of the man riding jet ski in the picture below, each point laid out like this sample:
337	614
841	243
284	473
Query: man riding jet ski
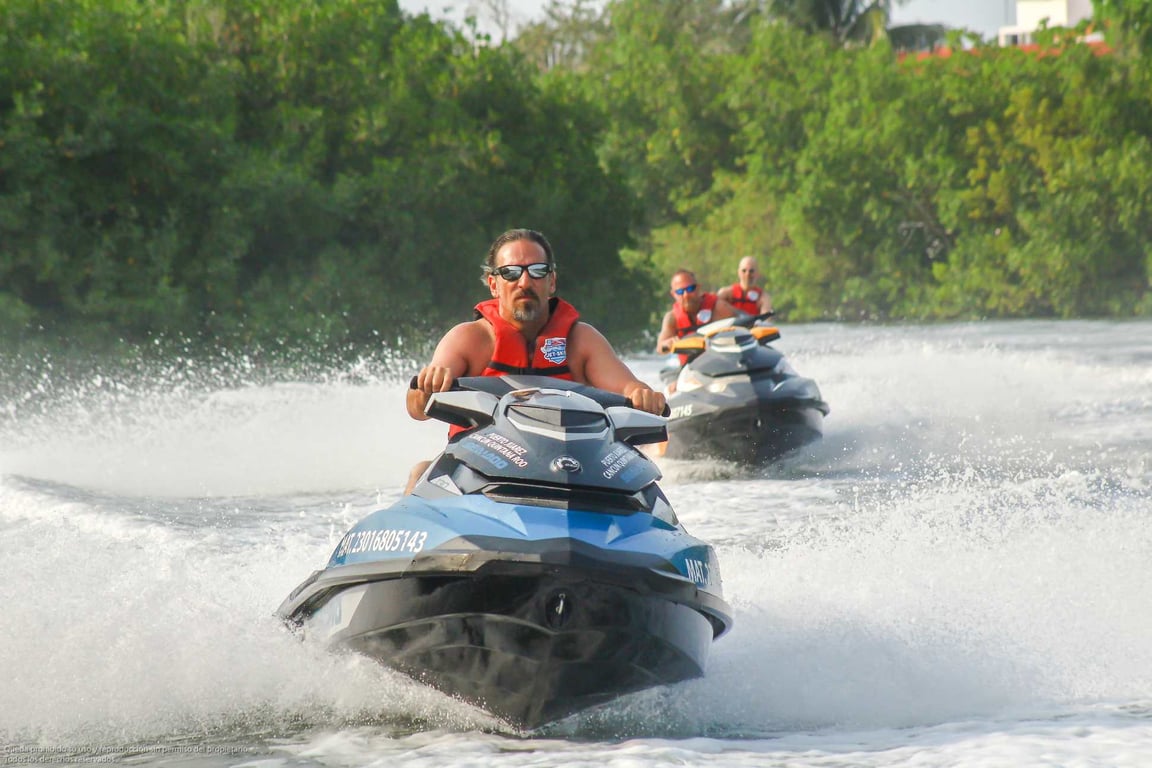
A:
525	329
691	308
734	397
536	569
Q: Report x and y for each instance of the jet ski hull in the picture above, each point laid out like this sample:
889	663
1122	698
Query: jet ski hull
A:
739	400
758	432
530	645
536	570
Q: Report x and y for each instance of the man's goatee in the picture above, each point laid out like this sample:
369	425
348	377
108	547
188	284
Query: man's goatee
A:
526	313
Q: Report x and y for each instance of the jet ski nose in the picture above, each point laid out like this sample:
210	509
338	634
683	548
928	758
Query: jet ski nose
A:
542	416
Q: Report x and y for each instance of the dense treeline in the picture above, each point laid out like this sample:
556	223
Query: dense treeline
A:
991	182
334	169
331	169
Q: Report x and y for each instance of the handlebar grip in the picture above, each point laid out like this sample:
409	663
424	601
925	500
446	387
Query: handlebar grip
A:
414	383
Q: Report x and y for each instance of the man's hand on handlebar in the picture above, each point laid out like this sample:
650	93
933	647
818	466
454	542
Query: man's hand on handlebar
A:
435	378
645	399
431	379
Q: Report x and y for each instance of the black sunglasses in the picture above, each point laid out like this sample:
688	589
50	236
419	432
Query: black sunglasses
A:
512	272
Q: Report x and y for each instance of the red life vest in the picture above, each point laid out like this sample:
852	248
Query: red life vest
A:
746	301
510	353
686	325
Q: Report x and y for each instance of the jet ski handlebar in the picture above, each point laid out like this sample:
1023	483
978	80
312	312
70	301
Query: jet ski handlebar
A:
502	385
747	321
740	320
696	343
471	401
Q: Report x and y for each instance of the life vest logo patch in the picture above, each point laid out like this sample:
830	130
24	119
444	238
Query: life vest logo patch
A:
703	316
555	350
754	295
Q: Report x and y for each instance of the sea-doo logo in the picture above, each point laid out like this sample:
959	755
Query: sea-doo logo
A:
555	350
565	464
483	453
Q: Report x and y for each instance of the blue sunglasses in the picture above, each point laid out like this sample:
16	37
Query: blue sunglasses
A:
684	290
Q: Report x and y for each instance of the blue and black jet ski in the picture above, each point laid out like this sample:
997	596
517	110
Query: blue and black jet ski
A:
536	570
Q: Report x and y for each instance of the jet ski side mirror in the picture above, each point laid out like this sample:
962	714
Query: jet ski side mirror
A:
637	427
462	408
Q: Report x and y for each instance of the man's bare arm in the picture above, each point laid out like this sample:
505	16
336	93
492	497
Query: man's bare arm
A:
603	369
723	309
765	302
667	333
449	362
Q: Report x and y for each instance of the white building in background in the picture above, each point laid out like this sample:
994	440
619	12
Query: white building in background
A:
1029	14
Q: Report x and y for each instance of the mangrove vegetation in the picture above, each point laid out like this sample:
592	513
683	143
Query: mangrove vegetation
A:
334	170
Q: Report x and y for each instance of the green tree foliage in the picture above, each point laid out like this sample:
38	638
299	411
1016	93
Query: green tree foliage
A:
1046	224
844	20
1128	22
918	37
103	115
323	168
987	182
656	78
335	169
564	36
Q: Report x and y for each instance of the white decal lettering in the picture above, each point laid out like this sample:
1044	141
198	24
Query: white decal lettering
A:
616	459
497	443
697	570
382	540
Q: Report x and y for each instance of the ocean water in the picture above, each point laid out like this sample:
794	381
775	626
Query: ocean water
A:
960	573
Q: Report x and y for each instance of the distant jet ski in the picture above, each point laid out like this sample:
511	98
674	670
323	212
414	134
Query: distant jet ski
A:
736	398
537	569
